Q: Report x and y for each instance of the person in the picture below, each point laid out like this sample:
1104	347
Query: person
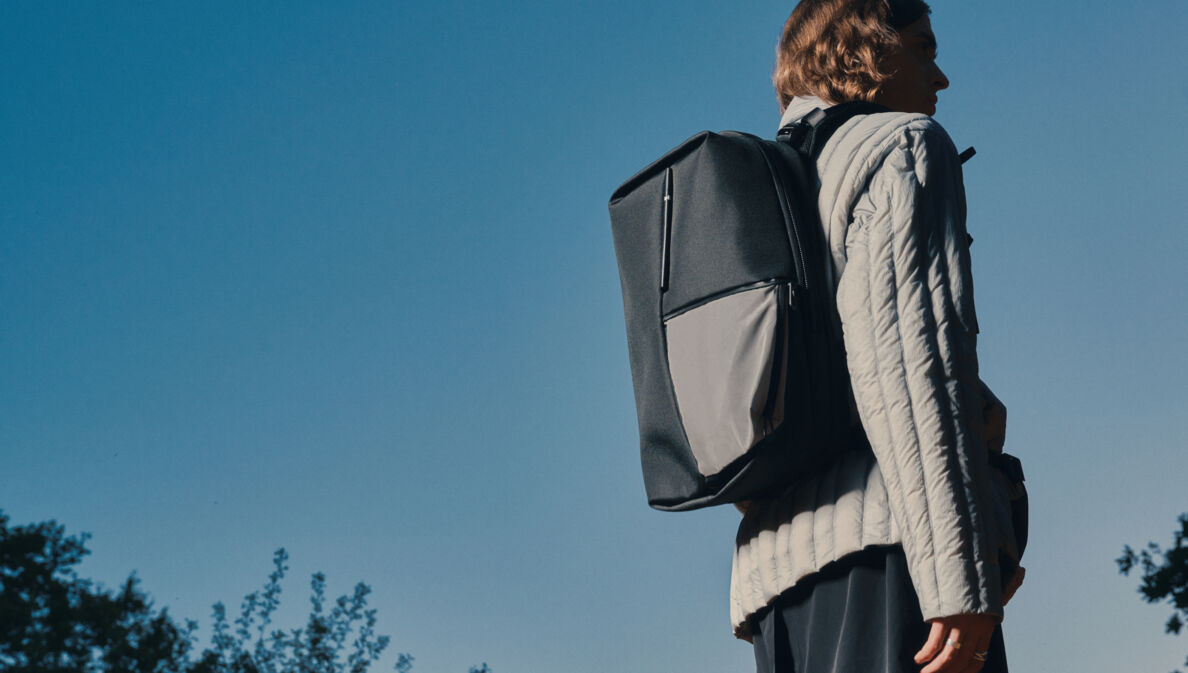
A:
900	555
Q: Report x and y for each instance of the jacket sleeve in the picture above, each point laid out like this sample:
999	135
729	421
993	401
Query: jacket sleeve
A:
905	299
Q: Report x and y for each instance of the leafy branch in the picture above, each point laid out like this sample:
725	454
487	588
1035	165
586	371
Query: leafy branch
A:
1165	574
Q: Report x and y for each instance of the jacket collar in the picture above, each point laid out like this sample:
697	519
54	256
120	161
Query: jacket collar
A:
801	106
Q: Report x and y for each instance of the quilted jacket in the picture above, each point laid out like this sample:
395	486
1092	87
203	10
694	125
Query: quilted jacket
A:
892	207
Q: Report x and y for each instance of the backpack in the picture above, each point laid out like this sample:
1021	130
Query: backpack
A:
741	387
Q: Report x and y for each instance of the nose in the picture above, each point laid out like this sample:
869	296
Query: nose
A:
938	78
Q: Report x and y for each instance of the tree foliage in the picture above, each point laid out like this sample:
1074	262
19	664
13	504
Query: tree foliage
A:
339	638
53	621
1165	574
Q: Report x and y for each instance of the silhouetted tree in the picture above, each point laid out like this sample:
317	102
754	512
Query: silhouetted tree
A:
338	639
53	621
1165	574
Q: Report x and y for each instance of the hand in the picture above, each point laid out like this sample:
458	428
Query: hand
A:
972	632
1016	581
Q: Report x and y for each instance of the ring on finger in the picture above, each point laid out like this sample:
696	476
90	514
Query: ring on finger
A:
980	656
953	643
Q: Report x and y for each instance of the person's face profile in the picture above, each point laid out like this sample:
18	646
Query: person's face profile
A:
915	77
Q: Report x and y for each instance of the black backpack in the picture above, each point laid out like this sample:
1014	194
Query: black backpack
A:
741	386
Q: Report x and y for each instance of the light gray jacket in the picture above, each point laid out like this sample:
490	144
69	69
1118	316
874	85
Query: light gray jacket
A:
892	206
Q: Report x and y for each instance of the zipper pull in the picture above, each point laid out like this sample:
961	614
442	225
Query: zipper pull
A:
666	245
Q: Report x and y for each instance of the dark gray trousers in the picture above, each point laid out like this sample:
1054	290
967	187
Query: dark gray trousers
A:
859	615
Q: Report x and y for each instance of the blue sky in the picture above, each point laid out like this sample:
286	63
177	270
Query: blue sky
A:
339	278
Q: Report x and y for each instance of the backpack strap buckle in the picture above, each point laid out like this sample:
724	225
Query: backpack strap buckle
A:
810	133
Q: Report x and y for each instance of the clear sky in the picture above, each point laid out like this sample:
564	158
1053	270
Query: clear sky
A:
339	277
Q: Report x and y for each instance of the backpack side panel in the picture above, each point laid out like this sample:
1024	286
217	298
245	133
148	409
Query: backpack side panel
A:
637	218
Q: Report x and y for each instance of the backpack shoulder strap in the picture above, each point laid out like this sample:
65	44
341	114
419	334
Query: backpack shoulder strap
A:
810	133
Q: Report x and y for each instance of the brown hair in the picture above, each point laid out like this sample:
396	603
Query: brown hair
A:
835	49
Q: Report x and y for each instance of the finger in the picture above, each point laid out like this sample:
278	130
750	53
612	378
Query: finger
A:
981	644
932	646
945	663
953	657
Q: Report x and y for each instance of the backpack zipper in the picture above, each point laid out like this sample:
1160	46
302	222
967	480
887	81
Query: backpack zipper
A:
665	250
726	293
778	180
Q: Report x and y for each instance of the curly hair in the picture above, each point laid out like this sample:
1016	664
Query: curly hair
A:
836	49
